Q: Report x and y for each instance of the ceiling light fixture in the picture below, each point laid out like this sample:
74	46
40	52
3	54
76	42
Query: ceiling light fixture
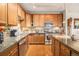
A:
34	6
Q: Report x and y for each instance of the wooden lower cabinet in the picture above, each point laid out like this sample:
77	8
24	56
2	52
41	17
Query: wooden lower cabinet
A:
39	38
36	39
55	47
23	47
12	51
59	49
18	49
52	46
64	51
30	39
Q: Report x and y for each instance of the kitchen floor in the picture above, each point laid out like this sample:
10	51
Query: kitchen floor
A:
39	50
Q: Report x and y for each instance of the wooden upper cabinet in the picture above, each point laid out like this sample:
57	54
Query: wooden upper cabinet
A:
48	17
42	17
60	20
21	17
3	13
52	18
23	22
36	20
19	10
21	13
56	19
28	20
12	14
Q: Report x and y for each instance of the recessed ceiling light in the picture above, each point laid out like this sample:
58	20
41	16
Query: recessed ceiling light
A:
34	6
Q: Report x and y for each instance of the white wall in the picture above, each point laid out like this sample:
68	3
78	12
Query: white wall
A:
71	10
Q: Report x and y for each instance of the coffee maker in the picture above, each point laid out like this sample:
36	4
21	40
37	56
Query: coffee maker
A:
12	32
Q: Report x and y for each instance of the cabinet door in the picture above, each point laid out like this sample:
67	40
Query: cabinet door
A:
42	17
23	22
26	43
30	39
19	10
36	20
39	39
52	18
12	14
14	52
57	48
60	20
22	47
23	14
3	13
10	51
64	51
48	17
36	39
53	45
28	20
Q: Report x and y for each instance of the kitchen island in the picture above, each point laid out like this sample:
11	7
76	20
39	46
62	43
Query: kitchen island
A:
64	46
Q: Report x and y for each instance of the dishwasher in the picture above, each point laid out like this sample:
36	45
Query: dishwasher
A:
23	47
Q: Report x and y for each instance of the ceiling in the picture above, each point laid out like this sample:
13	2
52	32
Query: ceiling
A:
43	8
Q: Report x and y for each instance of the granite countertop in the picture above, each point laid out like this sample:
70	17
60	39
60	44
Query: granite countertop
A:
9	41
73	45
